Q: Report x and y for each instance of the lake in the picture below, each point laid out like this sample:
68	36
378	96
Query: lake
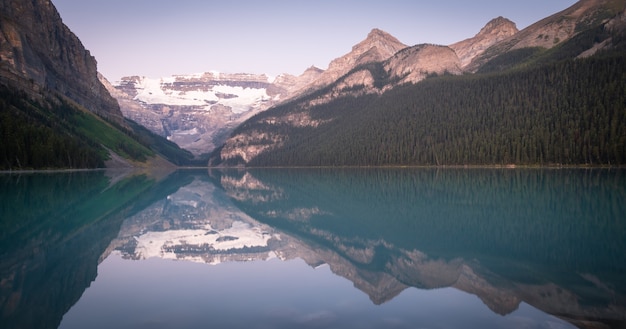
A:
314	248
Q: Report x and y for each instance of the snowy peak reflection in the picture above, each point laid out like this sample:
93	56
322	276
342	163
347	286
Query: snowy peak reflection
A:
198	224
552	239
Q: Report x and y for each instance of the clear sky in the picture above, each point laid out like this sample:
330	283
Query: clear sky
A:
157	38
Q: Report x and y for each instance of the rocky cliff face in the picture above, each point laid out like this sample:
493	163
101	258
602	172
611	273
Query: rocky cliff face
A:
414	64
38	52
292	84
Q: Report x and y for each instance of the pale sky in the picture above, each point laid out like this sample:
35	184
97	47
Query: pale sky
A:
156	38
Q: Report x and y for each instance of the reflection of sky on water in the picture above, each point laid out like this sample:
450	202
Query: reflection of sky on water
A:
157	293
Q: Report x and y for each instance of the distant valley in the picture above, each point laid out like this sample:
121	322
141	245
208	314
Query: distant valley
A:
198	112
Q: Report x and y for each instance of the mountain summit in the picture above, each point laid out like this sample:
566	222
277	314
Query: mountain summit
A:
554	30
493	32
377	46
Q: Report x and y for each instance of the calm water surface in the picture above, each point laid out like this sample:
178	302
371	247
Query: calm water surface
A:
370	248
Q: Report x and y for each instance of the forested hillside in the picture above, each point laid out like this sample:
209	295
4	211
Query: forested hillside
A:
51	132
570	112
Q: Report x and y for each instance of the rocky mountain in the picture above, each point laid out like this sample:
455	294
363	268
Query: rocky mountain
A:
38	52
54	111
414	64
559	28
358	85
200	125
295	84
353	73
376	64
376	47
197	112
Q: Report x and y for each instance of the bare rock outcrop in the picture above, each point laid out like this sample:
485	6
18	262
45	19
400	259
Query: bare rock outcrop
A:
37	51
414	64
555	29
495	31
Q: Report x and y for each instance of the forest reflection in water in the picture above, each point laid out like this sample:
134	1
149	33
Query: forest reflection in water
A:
551	239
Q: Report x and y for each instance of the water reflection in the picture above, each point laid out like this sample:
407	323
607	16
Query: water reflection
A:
55	229
552	239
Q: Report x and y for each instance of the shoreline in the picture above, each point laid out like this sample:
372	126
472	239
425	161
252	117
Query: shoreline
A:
70	170
433	167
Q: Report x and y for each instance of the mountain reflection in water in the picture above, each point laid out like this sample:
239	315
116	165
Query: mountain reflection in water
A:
553	239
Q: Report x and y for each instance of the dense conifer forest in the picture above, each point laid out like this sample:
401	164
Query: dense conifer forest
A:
554	112
53	133
33	137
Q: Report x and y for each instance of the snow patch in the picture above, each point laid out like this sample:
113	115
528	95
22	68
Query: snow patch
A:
155	91
161	244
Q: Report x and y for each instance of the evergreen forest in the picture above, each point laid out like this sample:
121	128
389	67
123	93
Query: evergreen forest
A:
558	112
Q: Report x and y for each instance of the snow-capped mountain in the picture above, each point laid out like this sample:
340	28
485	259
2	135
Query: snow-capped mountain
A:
198	111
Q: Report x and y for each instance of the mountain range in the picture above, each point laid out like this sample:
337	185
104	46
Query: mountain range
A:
474	102
383	103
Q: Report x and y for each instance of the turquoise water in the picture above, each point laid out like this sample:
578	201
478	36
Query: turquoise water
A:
314	248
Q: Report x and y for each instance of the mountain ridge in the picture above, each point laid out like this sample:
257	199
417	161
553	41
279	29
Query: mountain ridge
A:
554	29
315	115
403	64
